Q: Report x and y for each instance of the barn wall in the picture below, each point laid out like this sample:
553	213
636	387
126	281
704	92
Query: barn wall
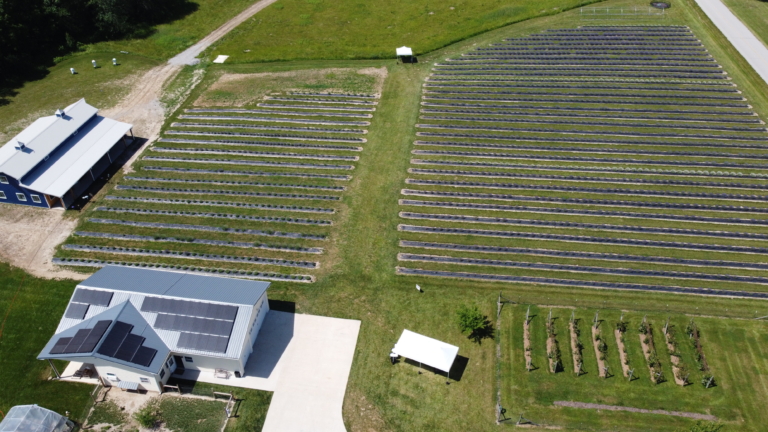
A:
13	187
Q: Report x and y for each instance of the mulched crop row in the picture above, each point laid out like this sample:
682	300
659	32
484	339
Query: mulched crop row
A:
268	219
264	233
297	113
249	162
223	192
190	255
583	226
579	268
235	183
249	173
222	204
602	191
584	239
255	153
584	255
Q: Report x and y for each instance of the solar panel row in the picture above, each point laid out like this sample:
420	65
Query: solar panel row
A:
84	341
203	342
94	297
189	308
121	344
77	310
193	324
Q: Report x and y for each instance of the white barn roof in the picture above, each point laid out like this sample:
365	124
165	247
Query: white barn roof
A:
59	149
41	138
426	350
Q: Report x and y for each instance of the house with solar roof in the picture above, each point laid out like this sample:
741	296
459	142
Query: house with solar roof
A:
136	327
56	158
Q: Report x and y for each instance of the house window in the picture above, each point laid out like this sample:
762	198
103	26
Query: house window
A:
162	373
3	179
144	380
20	196
2	195
188	359
36	199
170	362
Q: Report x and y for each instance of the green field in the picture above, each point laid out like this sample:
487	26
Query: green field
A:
357	277
319	29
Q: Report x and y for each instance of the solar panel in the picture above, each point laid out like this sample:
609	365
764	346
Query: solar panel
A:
60	345
203	342
189	308
94	297
76	311
144	356
193	324
76	341
114	339
94	336
129	347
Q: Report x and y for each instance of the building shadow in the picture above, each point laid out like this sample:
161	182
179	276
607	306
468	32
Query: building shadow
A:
271	343
282	306
107	175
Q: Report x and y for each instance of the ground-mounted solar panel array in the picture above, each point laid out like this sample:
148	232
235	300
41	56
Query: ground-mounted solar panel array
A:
247	192
604	157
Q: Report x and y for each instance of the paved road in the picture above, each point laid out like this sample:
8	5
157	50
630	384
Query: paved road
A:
738	34
188	57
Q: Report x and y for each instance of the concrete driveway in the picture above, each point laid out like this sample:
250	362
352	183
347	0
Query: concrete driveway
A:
305	360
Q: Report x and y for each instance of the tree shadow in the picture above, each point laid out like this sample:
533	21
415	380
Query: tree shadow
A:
485	332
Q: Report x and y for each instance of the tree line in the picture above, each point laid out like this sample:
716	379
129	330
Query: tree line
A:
33	32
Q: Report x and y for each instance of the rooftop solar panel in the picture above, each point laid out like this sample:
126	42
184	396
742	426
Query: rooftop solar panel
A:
76	311
128	348
193	324
203	342
76	341
60	345
189	308
144	356
114	339
94	297
94	336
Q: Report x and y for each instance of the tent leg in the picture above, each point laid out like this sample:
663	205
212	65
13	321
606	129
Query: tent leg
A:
448	377
419	368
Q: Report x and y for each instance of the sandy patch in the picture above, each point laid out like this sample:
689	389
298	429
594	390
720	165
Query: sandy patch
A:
29	237
248	89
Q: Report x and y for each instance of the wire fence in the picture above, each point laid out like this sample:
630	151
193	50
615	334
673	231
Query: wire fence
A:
600	13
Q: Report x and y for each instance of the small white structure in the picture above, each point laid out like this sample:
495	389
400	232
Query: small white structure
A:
221	59
425	350
114	62
405	54
94	63
32	418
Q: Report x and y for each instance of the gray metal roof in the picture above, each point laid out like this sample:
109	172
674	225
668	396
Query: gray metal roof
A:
72	159
41	138
126	312
177	284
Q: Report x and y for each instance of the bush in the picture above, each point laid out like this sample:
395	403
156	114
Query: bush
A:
148	417
473	323
621	326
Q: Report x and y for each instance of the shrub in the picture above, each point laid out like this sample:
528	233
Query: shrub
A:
621	326
148	417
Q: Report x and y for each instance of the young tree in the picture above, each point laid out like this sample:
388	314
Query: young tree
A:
473	323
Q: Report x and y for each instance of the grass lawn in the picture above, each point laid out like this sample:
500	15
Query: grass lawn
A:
102	87
30	310
191	415
321	29
166	40
250	407
107	413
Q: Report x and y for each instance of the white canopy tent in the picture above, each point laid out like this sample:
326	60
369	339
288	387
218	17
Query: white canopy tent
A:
405	54
426	350
404	51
